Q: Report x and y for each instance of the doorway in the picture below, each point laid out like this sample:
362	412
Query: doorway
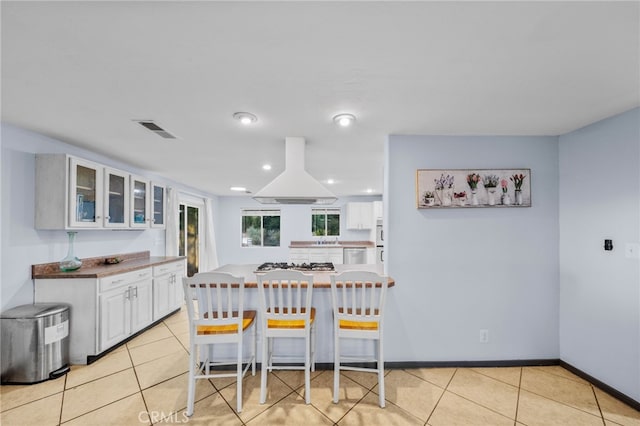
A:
190	233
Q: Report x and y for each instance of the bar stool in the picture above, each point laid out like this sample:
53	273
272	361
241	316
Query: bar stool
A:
358	307
218	317
285	309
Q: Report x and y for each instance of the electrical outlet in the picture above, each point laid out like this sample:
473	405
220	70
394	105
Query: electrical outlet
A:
484	336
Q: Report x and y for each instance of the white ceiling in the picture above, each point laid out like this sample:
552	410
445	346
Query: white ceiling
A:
82	71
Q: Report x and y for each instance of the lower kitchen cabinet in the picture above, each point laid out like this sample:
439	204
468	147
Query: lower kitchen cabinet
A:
125	311
320	254
167	288
107	310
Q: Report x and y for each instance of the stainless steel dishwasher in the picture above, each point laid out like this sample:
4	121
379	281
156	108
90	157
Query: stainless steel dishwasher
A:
354	255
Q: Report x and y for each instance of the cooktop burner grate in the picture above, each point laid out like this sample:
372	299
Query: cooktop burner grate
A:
313	266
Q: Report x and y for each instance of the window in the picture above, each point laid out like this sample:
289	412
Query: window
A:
260	228
325	222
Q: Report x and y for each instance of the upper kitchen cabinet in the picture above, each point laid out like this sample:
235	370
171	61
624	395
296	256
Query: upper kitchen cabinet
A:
73	193
158	205
69	192
116	199
86	187
360	216
377	210
140	216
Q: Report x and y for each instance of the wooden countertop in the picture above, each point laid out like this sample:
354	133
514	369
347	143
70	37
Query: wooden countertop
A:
94	267
321	279
341	244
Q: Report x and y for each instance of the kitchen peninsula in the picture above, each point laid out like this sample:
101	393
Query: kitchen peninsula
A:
110	303
321	302
321	278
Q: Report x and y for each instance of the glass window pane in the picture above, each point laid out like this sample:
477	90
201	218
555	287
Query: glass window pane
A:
318	224
193	244
333	224
251	231
182	233
271	231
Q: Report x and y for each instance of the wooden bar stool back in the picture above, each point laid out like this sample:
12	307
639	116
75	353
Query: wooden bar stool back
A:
358	311
215	305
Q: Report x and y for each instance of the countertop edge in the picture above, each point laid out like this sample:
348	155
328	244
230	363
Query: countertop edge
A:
100	271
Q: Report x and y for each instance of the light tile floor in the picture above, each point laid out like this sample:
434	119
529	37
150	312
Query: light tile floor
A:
145	382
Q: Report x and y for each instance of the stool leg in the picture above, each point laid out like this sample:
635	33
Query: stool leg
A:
381	374
307	369
264	368
336	367
192	381
254	350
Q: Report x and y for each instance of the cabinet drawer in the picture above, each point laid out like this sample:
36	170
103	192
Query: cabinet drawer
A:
168	268
119	280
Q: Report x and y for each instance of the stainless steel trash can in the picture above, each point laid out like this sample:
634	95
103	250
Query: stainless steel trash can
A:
35	342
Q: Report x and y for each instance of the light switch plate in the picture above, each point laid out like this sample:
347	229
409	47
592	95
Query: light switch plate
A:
632	251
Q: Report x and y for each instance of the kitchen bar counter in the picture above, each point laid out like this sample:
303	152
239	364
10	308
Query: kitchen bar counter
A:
343	244
95	267
321	279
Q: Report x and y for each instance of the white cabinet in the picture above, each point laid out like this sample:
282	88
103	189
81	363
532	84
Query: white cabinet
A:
335	255
140	216
116	198
317	254
360	215
158	205
167	288
125	306
69	192
86	188
73	193
299	255
377	210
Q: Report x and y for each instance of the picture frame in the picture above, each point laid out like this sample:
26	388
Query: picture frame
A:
473	188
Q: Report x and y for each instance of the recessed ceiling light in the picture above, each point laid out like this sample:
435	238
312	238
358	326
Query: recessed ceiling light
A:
245	118
344	120
266	167
331	181
238	188
368	190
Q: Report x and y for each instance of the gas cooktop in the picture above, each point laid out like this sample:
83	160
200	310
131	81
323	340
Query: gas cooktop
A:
313	266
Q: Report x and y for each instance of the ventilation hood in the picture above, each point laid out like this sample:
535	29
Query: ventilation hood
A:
294	185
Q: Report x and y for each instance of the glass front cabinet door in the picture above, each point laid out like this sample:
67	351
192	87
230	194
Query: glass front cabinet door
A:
158	205
85	201
140	217
116	199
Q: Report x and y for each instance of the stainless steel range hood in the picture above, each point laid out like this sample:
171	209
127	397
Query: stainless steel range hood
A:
294	185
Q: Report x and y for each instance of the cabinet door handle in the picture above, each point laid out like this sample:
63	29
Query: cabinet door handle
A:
117	281
135	292
127	294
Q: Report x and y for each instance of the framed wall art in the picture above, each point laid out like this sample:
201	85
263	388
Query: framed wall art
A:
465	188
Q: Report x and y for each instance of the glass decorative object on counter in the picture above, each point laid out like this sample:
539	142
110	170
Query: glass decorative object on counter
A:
70	262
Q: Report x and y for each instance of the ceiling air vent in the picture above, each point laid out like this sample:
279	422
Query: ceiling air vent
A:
150	125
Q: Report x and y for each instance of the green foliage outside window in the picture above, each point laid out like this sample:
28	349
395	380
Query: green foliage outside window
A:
325	222
261	228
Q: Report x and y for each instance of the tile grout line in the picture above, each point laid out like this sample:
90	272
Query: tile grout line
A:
515	421
604	423
64	389
441	395
135	373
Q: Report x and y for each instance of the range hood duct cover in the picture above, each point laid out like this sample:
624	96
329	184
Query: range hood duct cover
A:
294	185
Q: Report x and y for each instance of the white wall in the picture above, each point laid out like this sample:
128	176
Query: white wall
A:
462	270
22	245
295	225
600	290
